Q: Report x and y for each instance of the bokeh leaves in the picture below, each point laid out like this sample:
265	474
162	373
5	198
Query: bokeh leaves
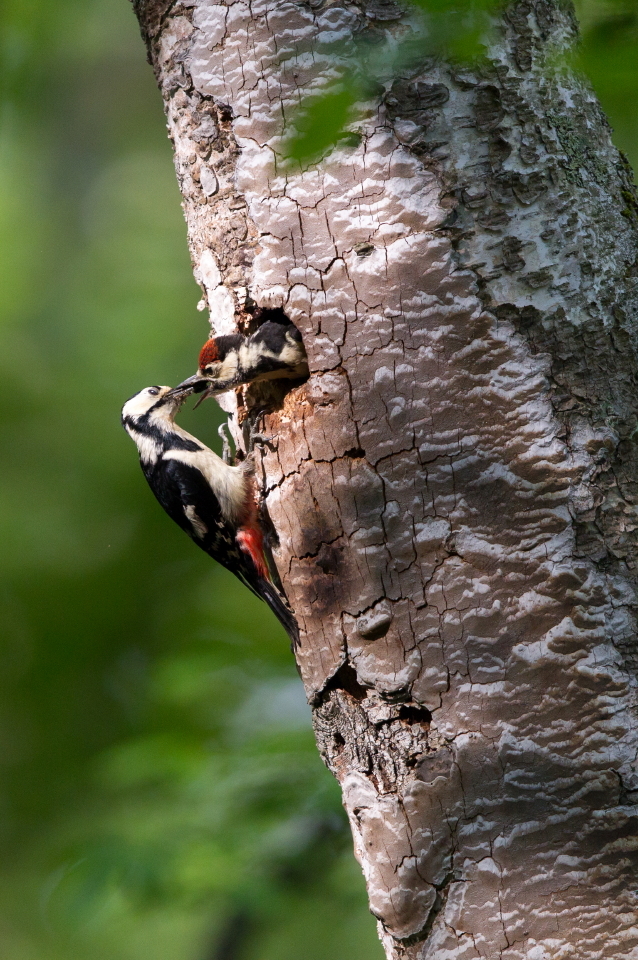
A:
455	29
458	29
608	55
141	813
321	122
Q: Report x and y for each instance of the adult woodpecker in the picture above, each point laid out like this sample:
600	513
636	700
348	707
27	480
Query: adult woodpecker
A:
274	351
214	503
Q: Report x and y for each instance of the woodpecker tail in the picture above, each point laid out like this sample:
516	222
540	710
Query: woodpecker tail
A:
281	608
251	541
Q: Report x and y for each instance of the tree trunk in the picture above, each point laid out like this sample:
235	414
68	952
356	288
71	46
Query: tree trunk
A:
454	488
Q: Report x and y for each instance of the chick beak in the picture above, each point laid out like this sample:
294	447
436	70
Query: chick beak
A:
208	392
196	384
184	389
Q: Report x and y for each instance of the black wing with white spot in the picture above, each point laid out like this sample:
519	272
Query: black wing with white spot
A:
189	501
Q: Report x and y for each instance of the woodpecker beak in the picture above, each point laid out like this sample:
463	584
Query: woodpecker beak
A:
184	389
194	384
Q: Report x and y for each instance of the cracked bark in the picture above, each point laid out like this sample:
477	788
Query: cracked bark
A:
454	488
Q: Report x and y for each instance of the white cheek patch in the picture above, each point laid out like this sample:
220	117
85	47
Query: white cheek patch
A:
293	353
228	367
148	448
198	525
223	369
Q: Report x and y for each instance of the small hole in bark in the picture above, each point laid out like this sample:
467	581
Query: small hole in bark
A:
255	316
330	562
263	314
268	394
339	741
355	453
414	714
225	112
346	679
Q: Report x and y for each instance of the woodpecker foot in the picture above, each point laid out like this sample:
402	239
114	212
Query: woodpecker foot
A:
226	451
252	434
257	438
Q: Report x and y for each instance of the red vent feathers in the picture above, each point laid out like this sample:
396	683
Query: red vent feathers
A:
251	541
208	354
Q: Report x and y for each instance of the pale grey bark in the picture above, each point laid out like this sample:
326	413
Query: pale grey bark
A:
454	488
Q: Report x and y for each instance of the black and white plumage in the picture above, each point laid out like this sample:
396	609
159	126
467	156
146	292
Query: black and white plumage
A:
214	503
274	351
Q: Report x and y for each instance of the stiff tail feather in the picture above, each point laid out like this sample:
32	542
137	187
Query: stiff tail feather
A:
280	607
251	541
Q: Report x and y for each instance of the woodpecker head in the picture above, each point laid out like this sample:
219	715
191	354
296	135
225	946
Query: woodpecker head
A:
210	367
154	405
149	419
209	358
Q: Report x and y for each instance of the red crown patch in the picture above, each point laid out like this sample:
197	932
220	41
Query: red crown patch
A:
208	354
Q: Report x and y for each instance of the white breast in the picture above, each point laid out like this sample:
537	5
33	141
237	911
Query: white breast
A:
229	484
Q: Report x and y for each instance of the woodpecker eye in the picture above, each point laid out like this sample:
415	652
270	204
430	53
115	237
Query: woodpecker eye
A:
208	368
154	391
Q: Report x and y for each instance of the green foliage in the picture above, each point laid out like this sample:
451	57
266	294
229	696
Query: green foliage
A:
458	29
320	124
161	793
455	28
608	54
451	28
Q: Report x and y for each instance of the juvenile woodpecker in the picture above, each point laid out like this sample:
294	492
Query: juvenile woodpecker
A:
273	351
214	503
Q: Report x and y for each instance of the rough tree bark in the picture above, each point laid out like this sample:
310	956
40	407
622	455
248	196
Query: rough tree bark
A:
454	489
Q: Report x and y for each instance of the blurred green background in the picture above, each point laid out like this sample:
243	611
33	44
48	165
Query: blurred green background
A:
160	793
